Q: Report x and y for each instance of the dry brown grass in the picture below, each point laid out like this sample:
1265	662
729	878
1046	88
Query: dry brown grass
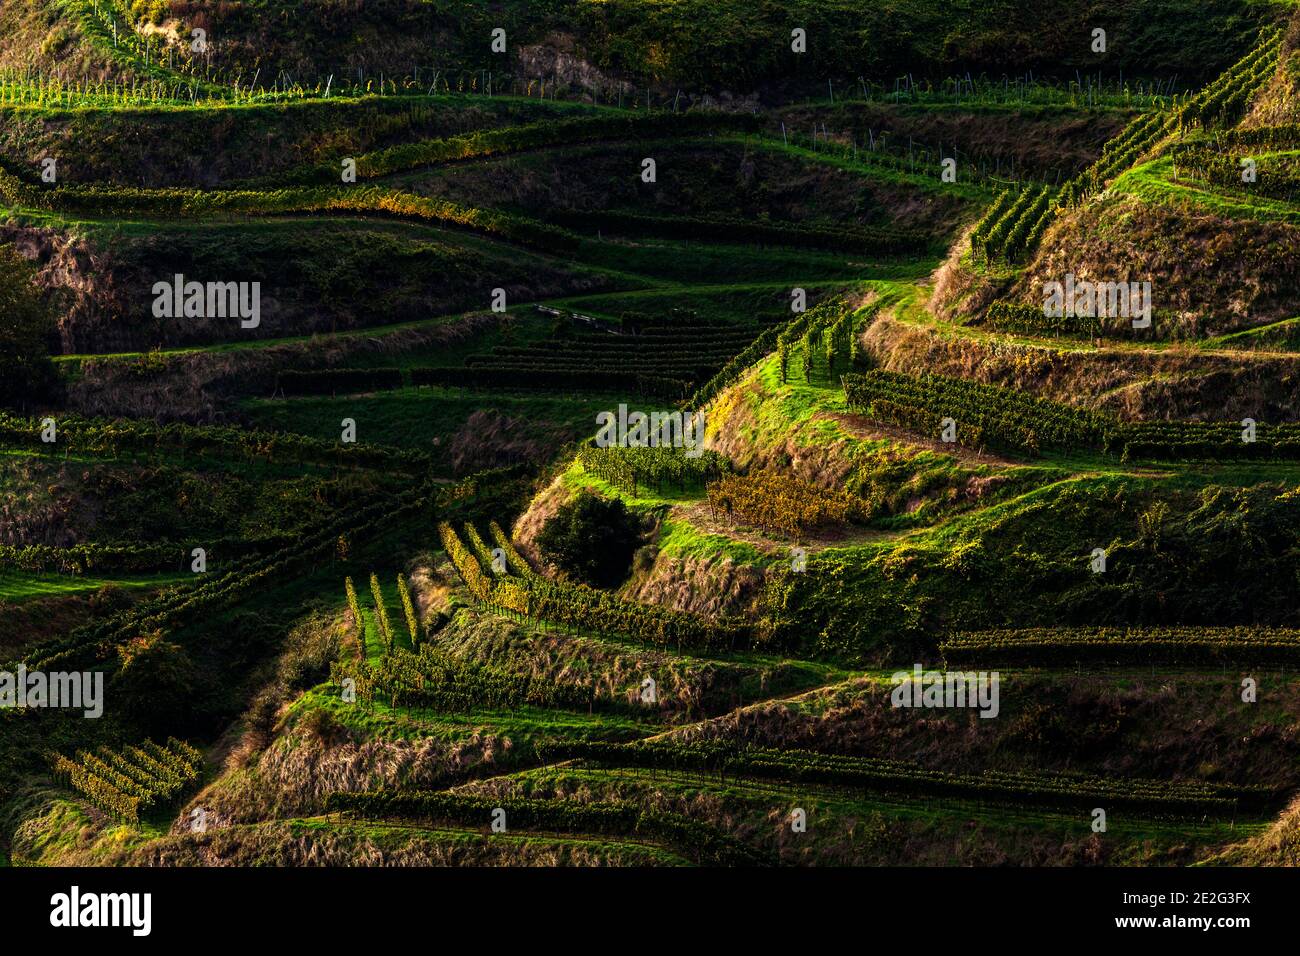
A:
1278	846
312	760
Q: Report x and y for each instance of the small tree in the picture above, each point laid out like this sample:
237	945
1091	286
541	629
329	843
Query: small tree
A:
155	685
26	372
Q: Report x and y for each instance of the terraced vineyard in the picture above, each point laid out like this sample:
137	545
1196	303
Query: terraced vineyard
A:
123	783
1158	645
641	434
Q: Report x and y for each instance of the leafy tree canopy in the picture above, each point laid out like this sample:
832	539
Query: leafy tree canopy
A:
26	373
592	539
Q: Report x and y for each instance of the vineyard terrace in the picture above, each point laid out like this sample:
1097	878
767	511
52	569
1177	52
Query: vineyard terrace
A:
656	430
939	689
1073	299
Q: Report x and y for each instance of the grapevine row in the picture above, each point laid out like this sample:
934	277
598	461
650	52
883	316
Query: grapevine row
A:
993	241
96	558
1220	102
112	436
1207	441
381	613
181	203
513	139
408	610
979	235
1276	176
886	241
1011	237
1224	100
529	378
992	416
332	381
1050	646
432	680
354	606
1031	320
513	558
984	414
805	330
633	468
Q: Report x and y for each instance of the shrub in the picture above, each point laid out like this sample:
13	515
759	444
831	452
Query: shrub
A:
592	539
